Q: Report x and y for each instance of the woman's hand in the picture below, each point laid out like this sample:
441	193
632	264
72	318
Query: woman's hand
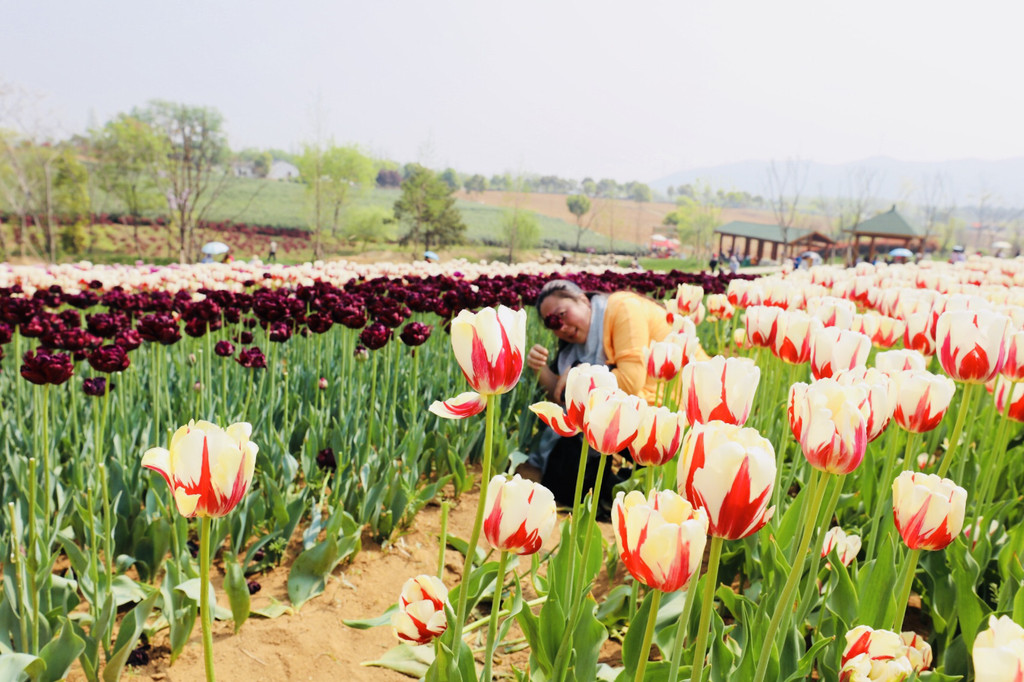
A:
537	358
559	390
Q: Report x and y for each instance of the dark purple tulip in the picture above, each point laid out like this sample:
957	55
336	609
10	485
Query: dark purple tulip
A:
5	333
195	327
232	315
416	333
253	586
350	316
41	367
376	336
96	386
252	358
82	301
318	323
70	319
245	338
224	349
160	327
105	325
325	459
269	307
128	339
35	327
112	358
280	332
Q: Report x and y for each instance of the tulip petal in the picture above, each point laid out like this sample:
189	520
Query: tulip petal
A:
159	460
555	417
186	503
460	407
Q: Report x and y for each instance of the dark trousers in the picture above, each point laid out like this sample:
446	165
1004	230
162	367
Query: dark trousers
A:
563	467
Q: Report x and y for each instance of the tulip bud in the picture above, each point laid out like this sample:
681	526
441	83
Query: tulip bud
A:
519	515
95	386
972	344
489	347
834	349
1014	392
663	359
660	537
881	396
928	510
322	384
197	387
833	423
893	361
918	650
719	389
192	359
846	546
719	307
922	399
421	610
209	469
874	655
999	651
658	436
793	337
729	472
611	420
361	353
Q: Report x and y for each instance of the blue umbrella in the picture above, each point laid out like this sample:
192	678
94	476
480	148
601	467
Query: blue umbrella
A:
901	253
430	255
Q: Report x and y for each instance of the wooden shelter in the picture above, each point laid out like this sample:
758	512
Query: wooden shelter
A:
889	226
756	236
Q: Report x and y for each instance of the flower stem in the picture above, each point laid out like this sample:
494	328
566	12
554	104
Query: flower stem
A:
905	584
474	538
785	605
710	583
204	595
645	649
17	605
995	464
961	417
886	480
684	619
492	627
31	555
443	538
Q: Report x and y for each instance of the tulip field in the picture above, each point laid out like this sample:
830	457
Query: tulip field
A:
827	486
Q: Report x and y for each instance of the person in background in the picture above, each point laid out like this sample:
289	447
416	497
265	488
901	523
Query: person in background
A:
734	263
593	328
272	256
713	262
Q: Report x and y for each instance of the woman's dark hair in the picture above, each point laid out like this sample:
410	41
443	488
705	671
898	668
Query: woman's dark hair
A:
559	288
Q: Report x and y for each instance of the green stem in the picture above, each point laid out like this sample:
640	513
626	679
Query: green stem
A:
954	440
18	604
492	628
94	566
474	538
707	605
205	610
886	480
905	585
961	464
996	463
784	607
373	404
444	539
645	649
45	398
684	619
780	464
108	537
31	555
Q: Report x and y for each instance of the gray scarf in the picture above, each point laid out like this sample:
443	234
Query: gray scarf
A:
590	352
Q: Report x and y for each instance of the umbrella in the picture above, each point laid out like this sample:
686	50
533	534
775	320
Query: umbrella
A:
901	253
1001	245
958	248
430	255
215	248
658	238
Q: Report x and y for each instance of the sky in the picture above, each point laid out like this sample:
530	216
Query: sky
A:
629	90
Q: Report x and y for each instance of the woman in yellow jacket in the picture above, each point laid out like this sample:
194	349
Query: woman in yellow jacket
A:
612	329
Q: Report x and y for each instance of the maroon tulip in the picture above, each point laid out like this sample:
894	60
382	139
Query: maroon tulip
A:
416	333
224	349
280	332
325	459
96	386
318	324
41	367
252	358
109	359
128	339
245	338
160	327
376	336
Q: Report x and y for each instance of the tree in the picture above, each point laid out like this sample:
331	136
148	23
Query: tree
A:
695	220
128	153
389	177
785	184
578	205
192	173
589	187
332	176
606	188
369	224
451	178
427	207
521	230
641	194
475	183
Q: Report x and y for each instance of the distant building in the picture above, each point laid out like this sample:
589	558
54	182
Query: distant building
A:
243	169
282	170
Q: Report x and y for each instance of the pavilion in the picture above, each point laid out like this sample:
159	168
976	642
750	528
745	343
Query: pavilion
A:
889	226
756	235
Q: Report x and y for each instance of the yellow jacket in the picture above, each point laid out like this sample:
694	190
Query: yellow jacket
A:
631	322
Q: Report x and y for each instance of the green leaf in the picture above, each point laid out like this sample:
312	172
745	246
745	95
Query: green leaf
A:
237	589
803	666
843	600
60	653
877	581
12	666
368	623
462	546
407	659
634	639
308	576
190	588
273	610
127	636
970	609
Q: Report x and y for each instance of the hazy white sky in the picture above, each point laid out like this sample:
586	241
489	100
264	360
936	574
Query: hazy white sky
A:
629	90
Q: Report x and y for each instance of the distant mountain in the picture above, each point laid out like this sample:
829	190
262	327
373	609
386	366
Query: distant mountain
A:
967	179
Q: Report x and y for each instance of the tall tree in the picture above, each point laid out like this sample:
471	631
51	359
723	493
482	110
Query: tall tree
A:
128	153
192	173
475	183
427	207
333	176
579	206
695	220
521	230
